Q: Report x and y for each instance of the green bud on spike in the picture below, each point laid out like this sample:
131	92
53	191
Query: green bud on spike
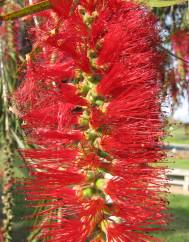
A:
100	184
88	192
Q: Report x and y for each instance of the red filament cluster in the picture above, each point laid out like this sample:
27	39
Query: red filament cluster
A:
90	106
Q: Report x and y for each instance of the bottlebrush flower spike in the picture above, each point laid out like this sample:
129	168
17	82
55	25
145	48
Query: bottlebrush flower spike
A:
180	41
90	104
178	76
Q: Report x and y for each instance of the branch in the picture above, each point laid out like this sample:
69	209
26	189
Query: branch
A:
172	54
35	8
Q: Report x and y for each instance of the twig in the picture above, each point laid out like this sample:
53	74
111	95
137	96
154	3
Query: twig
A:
172	54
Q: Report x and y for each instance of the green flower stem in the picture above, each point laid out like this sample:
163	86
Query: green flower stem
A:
34	8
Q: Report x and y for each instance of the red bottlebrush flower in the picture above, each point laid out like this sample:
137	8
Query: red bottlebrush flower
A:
178	76
62	7
90	104
180	45
180	40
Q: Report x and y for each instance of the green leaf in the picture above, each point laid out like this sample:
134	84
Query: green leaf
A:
31	9
161	3
18	140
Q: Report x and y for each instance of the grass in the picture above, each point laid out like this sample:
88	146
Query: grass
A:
175	163
178	163
177	135
178	230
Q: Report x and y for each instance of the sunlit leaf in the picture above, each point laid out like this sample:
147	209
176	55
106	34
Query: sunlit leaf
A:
161	3
19	141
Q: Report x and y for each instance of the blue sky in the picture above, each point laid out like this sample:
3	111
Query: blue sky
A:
182	113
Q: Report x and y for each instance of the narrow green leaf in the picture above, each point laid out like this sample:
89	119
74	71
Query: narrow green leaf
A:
18	140
161	3
31	9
